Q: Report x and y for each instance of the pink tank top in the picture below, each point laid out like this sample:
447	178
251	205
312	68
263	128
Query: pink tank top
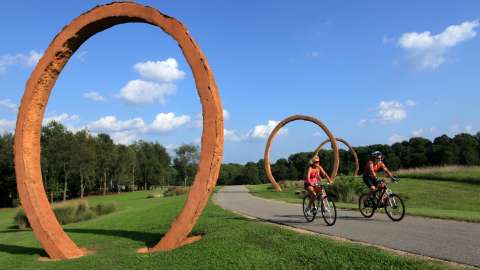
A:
313	177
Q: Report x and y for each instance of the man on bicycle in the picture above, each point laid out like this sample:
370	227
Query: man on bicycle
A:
375	164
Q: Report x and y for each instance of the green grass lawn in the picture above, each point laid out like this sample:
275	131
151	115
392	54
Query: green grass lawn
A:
440	199
470	174
229	242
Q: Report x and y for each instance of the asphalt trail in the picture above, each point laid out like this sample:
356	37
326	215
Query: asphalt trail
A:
443	239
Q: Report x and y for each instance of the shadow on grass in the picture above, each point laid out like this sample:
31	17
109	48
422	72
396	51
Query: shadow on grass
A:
19	250
149	239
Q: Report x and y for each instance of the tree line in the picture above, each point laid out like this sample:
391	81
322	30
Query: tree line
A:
76	164
462	149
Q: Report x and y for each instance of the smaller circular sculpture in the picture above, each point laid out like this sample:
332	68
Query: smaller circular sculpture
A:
357	166
277	129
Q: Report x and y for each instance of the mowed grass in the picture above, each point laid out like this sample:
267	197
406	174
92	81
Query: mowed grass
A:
229	242
439	199
463	174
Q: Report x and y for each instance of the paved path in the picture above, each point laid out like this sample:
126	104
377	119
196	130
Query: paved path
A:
442	239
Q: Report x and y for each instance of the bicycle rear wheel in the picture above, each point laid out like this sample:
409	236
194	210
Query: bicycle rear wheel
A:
309	213
394	207
329	211
365	205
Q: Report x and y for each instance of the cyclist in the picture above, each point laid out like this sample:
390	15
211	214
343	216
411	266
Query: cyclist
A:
375	164
314	175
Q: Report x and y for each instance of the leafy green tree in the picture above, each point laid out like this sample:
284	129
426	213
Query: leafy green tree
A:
185	162
84	159
251	173
467	149
443	151
8	190
104	150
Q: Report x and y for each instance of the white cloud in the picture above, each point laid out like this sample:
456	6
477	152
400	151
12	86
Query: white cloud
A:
396	138
60	118
410	103
19	59
140	91
386	39
92	95
6	125
468	129
124	137
362	123
427	51
263	131
111	123
8	104
231	135
418	132
165	122
391	111
164	71
226	114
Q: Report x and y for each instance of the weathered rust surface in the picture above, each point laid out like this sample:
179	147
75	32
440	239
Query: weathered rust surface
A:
31	113
355	157
282	124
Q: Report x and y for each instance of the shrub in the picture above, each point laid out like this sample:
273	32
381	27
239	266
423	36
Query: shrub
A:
291	184
175	191
105	208
21	219
151	196
347	189
70	212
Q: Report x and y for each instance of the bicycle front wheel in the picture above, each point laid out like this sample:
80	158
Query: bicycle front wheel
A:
394	207
309	212
329	211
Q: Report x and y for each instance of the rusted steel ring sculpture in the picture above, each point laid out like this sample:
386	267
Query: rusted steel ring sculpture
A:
27	134
357	166
277	129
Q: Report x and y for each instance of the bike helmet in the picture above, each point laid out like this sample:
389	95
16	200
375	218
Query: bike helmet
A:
377	154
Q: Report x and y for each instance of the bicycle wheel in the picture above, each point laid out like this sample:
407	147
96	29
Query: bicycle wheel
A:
308	213
329	211
394	207
365	205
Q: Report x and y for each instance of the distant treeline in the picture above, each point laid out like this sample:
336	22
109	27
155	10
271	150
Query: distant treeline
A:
462	149
75	164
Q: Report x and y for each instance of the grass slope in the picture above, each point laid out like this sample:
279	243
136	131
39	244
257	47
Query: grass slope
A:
440	199
448	173
229	242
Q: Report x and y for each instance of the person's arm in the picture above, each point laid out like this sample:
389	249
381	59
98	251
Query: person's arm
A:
387	171
372	171
323	173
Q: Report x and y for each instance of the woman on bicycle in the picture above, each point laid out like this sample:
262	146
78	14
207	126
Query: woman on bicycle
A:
314	175
374	164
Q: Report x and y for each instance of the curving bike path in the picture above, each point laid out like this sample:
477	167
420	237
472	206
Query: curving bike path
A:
443	239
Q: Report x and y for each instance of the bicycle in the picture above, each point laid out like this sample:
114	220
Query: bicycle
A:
391	202
327	208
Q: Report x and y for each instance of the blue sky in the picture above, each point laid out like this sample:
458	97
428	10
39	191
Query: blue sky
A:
373	71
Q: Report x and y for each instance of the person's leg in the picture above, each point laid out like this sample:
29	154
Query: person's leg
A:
312	194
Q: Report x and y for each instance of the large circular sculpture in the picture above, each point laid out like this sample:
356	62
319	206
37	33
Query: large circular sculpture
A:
27	134
357	166
277	129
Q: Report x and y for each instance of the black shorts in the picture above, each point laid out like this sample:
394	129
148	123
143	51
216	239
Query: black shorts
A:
370	180
306	185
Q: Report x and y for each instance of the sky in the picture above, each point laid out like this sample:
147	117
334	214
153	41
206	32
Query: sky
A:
372	71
